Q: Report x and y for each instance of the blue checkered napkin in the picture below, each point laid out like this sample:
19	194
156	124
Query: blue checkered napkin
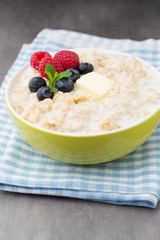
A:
131	180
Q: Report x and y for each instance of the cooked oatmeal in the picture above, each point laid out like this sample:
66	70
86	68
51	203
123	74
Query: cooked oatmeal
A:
135	93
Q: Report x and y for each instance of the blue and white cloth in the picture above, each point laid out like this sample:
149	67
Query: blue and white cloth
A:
131	180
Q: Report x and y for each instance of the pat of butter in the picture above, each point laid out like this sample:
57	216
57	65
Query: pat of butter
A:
95	83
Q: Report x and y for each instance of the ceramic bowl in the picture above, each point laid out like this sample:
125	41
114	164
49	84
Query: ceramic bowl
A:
84	149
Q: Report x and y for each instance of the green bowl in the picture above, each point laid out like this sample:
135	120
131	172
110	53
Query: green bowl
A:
83	149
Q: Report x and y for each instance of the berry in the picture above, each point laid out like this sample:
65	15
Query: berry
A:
84	68
43	93
75	74
58	67
37	57
64	84
68	59
35	83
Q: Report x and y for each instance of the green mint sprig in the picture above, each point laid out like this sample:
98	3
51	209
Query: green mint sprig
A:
53	76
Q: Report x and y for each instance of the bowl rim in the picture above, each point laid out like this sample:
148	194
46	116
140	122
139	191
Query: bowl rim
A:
129	126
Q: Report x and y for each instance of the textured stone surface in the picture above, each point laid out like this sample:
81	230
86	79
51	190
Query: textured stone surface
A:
43	217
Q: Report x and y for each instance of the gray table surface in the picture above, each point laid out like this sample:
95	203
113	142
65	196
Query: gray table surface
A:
44	217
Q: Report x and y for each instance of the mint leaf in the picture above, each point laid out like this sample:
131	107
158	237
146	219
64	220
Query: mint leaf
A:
50	71
63	74
53	89
53	76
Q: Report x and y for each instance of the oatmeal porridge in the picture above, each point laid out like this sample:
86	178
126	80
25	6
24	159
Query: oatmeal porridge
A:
134	93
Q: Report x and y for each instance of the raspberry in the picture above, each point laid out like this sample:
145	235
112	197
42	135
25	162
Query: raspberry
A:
37	57
58	67
68	59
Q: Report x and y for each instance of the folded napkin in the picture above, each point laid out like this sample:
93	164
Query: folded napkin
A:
131	180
